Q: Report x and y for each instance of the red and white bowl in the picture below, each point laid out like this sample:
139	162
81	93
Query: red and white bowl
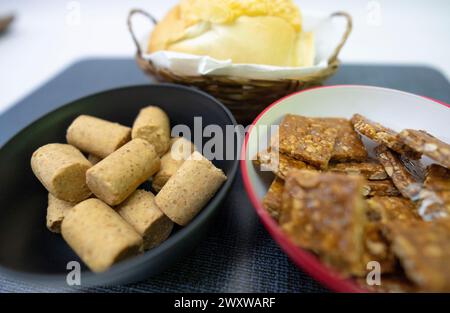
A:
393	108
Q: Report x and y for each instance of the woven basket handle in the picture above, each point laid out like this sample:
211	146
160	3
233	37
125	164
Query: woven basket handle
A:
348	30
130	25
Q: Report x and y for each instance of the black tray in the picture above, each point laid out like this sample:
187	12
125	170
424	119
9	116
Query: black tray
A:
237	255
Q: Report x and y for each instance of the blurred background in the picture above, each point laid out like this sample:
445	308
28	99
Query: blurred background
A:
48	35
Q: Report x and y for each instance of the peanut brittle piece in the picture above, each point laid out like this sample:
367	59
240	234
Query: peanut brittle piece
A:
437	178
371	170
306	139
272	200
434	198
444	201
348	145
325	213
376	248
385	209
425	143
380	188
423	249
405	182
279	163
382	135
381	210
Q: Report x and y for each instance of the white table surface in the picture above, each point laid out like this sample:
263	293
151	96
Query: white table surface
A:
48	35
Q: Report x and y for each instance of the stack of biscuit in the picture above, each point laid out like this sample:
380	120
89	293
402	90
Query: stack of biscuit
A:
95	195
330	197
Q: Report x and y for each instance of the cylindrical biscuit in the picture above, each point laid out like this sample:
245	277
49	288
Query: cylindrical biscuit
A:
189	189
115	177
153	125
98	235
141	212
96	136
61	168
180	150
56	211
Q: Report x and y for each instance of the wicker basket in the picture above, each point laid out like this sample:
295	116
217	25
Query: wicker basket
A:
244	97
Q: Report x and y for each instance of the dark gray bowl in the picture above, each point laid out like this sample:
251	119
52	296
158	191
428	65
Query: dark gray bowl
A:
29	252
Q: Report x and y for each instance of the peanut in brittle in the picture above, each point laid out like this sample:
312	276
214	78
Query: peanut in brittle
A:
324	212
382	135
376	248
434	198
272	199
279	163
384	209
306	139
381	210
425	143
405	182
437	178
423	249
380	188
348	145
370	169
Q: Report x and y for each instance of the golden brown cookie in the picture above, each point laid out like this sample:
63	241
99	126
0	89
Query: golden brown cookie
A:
98	235
62	170
97	136
56	211
186	193
153	124
141	212
118	175
180	150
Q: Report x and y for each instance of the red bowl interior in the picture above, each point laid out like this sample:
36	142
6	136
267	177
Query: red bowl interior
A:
301	257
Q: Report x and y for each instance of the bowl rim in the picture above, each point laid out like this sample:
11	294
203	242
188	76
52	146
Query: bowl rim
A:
301	257
121	270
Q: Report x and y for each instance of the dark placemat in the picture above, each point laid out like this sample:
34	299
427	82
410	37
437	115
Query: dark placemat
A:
237	255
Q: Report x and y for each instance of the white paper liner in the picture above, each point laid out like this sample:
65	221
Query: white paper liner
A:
327	33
